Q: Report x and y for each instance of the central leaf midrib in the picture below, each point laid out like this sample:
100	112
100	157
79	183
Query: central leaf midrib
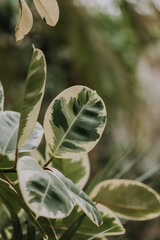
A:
64	136
121	206
45	193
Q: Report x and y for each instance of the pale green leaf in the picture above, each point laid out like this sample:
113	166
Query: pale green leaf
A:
77	169
34	91
74	122
15	219
111	224
12	195
81	198
128	199
48	10
25	21
9	123
1	98
44	193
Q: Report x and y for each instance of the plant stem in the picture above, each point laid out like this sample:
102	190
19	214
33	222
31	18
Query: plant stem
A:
7	179
7	170
48	162
16	159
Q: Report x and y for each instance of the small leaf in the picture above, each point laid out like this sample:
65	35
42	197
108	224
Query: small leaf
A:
77	169
48	10
34	91
9	123
44	193
80	198
129	199
25	21
1	98
74	122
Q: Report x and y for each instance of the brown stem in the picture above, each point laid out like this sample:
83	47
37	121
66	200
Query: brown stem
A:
48	162
7	170
7	179
16	159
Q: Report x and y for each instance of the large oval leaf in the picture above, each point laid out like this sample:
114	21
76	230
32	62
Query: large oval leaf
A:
44	193
74	122
25	21
80	197
129	199
77	169
1	98
9	123
34	91
48	10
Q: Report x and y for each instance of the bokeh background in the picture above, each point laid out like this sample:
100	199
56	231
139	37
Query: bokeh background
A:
112	46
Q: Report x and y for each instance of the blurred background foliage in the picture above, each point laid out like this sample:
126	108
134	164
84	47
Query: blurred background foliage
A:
112	46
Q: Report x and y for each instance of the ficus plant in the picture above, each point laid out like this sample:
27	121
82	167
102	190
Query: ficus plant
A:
42	197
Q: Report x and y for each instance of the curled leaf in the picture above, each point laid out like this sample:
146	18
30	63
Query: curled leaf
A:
25	21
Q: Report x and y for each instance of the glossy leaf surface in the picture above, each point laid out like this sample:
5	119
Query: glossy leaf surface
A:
9	124
74	122
81	198
34	91
129	199
44	193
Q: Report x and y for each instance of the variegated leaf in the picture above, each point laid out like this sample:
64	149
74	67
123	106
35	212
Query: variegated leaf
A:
34	91
77	169
1	98
9	123
80	197
74	122
48	10
44	193
129	199
25	21
111	224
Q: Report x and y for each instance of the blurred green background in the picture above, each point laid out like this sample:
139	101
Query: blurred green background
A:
112	46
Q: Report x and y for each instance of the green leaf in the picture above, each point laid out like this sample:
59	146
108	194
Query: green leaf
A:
77	169
110	223
13	196
48	227
25	21
34	91
48	10
15	219
44	193
1	98
9	123
129	199
82	199
74	122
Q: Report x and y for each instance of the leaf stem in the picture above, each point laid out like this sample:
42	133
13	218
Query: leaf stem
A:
7	179
7	170
48	162
16	159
